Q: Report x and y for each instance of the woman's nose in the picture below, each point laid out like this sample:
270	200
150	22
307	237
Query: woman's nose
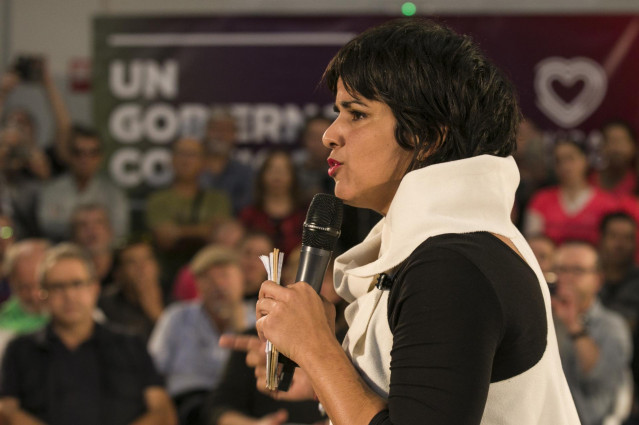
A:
331	138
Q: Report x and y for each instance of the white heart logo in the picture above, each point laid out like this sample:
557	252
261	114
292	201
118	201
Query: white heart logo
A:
569	72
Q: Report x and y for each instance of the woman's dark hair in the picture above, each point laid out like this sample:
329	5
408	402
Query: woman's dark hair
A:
260	185
449	101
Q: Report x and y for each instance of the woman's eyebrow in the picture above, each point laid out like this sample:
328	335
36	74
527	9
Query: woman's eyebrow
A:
348	103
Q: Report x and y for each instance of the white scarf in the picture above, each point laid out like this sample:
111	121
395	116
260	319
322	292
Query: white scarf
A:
469	195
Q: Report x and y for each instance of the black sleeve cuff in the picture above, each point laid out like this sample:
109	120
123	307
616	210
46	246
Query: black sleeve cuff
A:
382	418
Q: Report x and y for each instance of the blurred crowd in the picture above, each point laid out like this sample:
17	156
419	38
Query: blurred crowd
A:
105	321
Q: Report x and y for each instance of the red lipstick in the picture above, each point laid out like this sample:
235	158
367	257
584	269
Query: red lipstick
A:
333	165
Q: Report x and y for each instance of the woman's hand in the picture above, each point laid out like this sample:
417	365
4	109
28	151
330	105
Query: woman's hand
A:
295	319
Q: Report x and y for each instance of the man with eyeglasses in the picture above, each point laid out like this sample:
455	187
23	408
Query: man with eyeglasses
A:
76	371
81	185
594	342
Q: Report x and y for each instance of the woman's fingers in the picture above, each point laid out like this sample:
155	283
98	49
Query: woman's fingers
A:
264	306
270	289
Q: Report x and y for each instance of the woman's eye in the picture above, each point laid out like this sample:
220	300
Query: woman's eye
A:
357	115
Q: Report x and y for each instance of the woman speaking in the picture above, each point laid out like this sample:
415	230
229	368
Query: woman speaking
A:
461	333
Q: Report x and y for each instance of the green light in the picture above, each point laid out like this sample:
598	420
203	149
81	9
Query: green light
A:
409	9
6	232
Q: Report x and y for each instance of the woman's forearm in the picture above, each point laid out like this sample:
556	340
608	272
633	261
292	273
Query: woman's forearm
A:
347	399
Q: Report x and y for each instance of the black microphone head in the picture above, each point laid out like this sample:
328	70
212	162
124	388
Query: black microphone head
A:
323	222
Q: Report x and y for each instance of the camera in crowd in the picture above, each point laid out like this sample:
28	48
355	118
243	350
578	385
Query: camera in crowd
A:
28	68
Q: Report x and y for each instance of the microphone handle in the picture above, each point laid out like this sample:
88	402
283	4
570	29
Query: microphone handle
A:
312	268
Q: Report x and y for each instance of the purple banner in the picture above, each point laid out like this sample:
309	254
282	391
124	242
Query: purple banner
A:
156	78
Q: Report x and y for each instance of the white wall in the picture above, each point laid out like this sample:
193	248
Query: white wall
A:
62	28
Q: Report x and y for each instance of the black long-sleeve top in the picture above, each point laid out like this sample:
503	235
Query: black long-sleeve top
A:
465	311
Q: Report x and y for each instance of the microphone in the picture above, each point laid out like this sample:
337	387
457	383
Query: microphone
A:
320	233
321	230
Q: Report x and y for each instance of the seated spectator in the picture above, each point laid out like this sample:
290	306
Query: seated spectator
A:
594	342
222	171
24	312
91	229
7	238
312	167
238	401
253	245
617	249
134	302
82	185
76	371
184	343
544	250
183	217
573	209
533	161
229	233
278	209
618	154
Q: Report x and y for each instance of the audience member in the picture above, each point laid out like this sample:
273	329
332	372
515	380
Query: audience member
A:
184	343
82	185
573	209
76	371
24	312
91	229
18	188
251	248
134	302
58	151
617	174
237	399
617	249
278	209
20	155
544	249
534	166
7	238
229	233
594	342
184	216
222	171
312	167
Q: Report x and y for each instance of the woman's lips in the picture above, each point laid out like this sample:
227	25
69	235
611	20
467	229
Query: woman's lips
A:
333	165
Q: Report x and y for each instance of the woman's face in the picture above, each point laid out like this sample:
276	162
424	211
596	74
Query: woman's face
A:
277	175
571	164
366	162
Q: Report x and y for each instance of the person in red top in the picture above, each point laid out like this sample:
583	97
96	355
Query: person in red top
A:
573	209
618	153
278	210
